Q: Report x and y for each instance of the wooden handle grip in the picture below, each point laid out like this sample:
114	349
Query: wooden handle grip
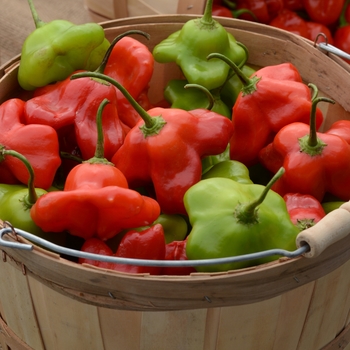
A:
332	228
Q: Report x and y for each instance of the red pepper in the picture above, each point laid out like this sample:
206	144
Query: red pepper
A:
292	22
304	210
271	98
315	163
176	250
314	29
38	143
340	128
96	200
264	10
147	244
76	103
130	63
342	34
165	148
326	12
294	5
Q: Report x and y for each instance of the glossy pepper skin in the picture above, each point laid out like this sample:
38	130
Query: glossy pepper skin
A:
271	98
56	49
176	250
190	46
131	63
230	169
230	219
326	12
304	210
315	162
171	160
38	143
71	102
96	190
146	244
166	147
342	34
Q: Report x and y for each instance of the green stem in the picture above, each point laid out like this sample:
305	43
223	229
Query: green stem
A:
207	16
247	213
69	156
99	156
38	22
102	66
209	95
31	197
152	126
314	89
249	84
313	139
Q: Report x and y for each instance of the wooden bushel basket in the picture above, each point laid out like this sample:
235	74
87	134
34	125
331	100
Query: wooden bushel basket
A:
48	302
113	9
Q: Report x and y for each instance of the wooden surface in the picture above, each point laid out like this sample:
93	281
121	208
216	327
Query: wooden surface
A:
16	22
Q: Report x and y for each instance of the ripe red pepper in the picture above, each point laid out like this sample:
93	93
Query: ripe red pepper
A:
38	143
304	210
294	5
130	63
292	22
176	250
271	98
315	163
96	200
340	128
165	149
342	34
147	244
264	10
325	12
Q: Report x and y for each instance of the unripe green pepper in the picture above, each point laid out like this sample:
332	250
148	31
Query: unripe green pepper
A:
229	169
190	46
56	49
230	219
180	94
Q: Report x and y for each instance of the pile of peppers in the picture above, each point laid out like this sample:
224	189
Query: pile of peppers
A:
231	162
307	18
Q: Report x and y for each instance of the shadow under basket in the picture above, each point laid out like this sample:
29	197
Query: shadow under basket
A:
48	302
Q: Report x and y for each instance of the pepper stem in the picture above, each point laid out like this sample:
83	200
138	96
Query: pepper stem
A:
102	66
31	197
99	151
152	126
247	213
38	22
249	84
207	16
311	144
208	94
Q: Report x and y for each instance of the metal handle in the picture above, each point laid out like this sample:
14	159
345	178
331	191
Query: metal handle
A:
8	230
330	48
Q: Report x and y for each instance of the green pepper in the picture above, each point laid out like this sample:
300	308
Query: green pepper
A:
330	206
175	227
180	94
17	200
230	169
190	46
209	161
230	219
56	49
